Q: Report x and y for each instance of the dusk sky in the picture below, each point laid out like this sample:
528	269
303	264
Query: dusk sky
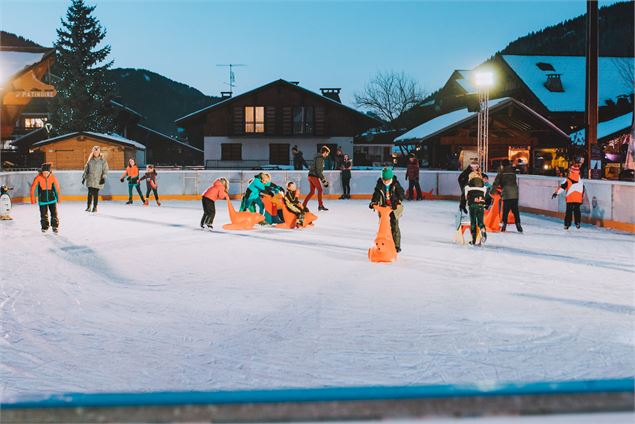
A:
320	44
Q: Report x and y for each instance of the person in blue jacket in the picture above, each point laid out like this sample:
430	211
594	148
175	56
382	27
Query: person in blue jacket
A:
261	184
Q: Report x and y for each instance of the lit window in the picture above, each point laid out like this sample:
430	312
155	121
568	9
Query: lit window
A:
303	120
254	119
34	122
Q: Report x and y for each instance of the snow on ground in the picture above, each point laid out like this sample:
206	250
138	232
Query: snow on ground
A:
140	299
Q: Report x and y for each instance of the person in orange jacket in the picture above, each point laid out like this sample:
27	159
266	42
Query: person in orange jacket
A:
574	189
132	173
218	190
47	189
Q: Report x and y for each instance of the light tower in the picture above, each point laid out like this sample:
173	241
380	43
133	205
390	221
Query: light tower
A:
483	80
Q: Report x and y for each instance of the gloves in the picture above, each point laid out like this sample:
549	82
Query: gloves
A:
121	179
463	209
102	181
554	195
83	180
325	183
372	206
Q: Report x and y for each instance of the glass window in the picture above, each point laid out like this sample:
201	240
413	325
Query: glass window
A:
303	118
279	154
231	151
254	119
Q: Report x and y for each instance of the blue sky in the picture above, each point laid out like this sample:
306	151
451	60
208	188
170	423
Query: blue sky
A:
321	44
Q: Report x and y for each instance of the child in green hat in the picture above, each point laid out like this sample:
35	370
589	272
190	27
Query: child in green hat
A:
388	192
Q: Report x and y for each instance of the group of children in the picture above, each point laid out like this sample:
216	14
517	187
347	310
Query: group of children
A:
131	173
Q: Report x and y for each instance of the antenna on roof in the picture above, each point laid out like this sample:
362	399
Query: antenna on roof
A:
232	77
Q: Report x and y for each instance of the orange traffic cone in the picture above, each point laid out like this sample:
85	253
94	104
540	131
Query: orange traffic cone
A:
384	250
241	220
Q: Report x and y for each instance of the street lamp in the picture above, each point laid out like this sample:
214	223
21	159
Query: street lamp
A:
483	80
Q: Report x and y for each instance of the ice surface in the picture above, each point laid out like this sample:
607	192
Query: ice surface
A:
141	299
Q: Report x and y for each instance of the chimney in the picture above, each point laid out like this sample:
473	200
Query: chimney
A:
332	93
225	94
554	83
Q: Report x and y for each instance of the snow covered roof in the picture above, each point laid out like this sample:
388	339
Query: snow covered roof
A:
115	138
13	62
533	71
171	139
444	122
606	128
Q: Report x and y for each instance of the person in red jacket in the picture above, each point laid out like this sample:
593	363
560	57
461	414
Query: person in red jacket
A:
218	190
47	189
412	175
574	189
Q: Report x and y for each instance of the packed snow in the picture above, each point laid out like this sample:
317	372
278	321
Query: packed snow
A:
141	299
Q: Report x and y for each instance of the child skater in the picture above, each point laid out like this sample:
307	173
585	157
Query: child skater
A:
388	192
294	205
5	203
574	188
47	189
132	173
476	198
151	184
217	191
260	185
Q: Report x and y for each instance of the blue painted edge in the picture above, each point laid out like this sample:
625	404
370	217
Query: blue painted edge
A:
326	394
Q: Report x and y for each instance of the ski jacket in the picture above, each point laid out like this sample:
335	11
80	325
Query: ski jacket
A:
47	189
151	179
95	172
216	191
507	180
391	196
476	192
132	172
317	167
464	177
574	188
412	170
298	161
293	203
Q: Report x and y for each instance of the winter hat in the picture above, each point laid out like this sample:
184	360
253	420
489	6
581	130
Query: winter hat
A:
325	149
387	174
46	167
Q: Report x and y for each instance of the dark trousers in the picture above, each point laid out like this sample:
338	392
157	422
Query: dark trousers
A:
511	205
44	216
130	187
414	184
93	196
346	183
154	191
209	212
394	229
476	220
572	209
316	185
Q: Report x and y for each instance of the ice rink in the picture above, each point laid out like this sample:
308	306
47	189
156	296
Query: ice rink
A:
141	299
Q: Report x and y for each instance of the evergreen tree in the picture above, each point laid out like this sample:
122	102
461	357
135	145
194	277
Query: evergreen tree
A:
83	91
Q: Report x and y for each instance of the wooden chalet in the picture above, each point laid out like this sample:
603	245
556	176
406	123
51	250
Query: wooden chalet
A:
261	126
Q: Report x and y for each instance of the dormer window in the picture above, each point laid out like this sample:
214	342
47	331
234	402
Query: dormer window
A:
545	66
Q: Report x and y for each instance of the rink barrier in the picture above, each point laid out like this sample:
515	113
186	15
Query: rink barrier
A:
336	403
607	204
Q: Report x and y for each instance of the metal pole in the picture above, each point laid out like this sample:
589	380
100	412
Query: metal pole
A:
591	109
486	137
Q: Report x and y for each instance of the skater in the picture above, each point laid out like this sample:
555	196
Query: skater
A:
294	205
574	189
47	190
346	167
339	158
95	172
316	178
132	174
476	197
217	191
506	179
463	180
298	159
412	175
151	184
259	185
388	192
5	203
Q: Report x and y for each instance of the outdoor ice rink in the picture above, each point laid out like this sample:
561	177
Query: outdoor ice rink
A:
141	299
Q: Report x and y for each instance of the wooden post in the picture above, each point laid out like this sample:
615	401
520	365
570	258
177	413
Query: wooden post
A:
591	106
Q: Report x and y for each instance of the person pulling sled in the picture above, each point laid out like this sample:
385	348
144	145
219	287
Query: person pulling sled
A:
388	192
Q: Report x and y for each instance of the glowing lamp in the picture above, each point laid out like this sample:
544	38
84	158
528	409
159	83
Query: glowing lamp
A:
483	79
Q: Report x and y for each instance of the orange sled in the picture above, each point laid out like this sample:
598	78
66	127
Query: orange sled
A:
241	220
384	250
290	219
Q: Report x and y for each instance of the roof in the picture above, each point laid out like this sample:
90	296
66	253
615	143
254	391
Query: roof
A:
16	61
465	81
113	138
572	70
606	129
126	109
445	122
279	81
168	138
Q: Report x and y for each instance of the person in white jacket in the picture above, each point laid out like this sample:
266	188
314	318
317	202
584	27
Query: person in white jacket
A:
5	203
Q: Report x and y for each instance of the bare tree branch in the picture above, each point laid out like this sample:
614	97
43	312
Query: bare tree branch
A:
389	94
624	66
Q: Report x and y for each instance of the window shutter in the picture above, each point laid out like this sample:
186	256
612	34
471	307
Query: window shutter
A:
239	121
319	120
270	120
287	121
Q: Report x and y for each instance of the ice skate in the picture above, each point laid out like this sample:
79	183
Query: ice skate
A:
322	208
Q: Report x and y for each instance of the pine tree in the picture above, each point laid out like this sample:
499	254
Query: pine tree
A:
83	91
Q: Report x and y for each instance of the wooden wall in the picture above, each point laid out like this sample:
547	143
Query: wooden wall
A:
72	153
